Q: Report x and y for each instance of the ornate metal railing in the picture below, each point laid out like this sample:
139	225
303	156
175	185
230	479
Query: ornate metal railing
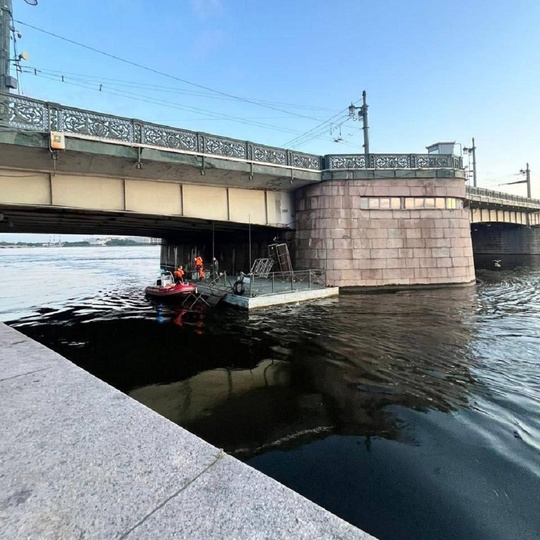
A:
393	161
482	194
29	114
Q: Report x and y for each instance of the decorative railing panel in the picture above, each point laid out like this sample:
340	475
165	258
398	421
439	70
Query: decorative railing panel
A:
393	161
305	161
25	114
95	125
221	146
268	154
154	135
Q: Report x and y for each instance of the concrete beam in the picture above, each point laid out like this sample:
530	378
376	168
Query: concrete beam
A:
91	157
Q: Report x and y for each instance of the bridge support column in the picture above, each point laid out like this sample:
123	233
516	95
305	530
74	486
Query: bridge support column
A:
386	232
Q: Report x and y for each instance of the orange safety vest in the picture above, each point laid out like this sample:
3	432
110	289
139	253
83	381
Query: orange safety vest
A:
198	261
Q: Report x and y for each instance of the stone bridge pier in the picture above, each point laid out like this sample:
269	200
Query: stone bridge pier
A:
386	229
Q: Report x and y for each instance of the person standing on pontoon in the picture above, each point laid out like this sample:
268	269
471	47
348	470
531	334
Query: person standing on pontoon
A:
199	266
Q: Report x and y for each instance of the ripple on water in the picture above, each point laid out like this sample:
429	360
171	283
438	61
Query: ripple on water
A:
427	397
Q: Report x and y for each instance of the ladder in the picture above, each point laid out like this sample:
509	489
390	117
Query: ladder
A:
280	252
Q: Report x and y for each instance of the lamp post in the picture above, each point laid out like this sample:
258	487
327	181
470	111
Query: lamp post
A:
6	13
472	150
362	113
7	82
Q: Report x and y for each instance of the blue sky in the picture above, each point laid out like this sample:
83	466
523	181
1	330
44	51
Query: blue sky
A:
433	70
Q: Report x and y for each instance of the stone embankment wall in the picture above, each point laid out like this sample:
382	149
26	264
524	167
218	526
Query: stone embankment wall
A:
385	232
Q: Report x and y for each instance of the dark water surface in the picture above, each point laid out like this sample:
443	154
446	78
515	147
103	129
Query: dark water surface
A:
410	415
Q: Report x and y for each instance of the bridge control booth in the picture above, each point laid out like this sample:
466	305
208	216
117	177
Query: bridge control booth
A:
447	148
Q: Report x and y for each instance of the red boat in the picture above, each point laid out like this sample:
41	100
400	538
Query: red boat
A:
165	287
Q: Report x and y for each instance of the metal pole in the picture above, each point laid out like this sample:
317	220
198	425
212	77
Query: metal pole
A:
528	176
213	256
249	238
474	162
6	12
365	127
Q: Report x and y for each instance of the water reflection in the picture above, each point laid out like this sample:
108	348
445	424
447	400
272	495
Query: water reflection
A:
332	368
411	415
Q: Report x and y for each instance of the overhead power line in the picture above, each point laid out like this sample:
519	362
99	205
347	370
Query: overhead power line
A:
158	72
316	131
103	88
155	87
158	101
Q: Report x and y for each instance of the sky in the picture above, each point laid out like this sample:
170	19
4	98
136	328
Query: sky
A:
283	73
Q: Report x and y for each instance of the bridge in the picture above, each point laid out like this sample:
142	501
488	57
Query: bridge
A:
373	218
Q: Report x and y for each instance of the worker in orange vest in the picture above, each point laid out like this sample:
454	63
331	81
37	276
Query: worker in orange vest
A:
179	274
199	266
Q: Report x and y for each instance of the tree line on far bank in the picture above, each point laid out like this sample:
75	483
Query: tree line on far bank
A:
114	242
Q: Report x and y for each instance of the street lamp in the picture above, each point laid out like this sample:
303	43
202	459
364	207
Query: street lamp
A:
362	114
472	150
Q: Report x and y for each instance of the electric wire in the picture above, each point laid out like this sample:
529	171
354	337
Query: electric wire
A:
158	72
298	140
315	132
307	136
156	101
166	89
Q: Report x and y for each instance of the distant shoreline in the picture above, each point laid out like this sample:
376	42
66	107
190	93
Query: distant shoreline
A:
11	245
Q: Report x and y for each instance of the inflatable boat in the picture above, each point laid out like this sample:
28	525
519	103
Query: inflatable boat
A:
165	287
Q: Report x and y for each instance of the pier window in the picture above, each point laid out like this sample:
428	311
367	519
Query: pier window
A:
380	203
450	203
410	203
454	204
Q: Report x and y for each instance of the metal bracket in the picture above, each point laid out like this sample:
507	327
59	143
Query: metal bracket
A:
54	157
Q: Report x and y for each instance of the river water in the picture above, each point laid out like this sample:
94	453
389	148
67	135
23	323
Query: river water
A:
410	415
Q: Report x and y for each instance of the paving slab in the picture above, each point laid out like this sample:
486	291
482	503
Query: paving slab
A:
30	356
79	459
232	501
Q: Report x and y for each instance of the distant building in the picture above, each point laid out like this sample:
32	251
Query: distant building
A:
97	241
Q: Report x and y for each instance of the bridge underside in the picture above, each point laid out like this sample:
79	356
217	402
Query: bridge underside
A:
21	219
505	245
